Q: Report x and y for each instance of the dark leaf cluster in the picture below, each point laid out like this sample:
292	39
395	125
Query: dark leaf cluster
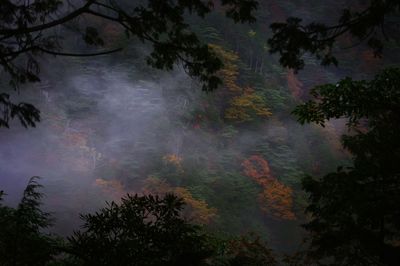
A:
291	40
27	114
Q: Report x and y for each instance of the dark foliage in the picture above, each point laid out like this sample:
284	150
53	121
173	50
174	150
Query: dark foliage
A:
142	230
249	251
371	25
27	114
355	214
22	241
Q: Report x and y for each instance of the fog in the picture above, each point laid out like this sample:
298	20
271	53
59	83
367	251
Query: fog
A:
108	122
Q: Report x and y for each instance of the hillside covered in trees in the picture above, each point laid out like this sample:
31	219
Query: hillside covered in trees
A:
195	133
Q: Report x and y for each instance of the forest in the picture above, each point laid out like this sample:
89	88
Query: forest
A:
199	132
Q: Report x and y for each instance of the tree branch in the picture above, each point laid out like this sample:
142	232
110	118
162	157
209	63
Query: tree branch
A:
51	24
78	54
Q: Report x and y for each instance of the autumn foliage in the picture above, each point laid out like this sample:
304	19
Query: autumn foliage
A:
173	159
276	198
244	103
249	250
247	106
230	72
196	210
258	169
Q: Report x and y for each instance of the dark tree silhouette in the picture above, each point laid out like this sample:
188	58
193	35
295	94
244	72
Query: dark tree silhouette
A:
142	230
355	215
354	211
22	241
